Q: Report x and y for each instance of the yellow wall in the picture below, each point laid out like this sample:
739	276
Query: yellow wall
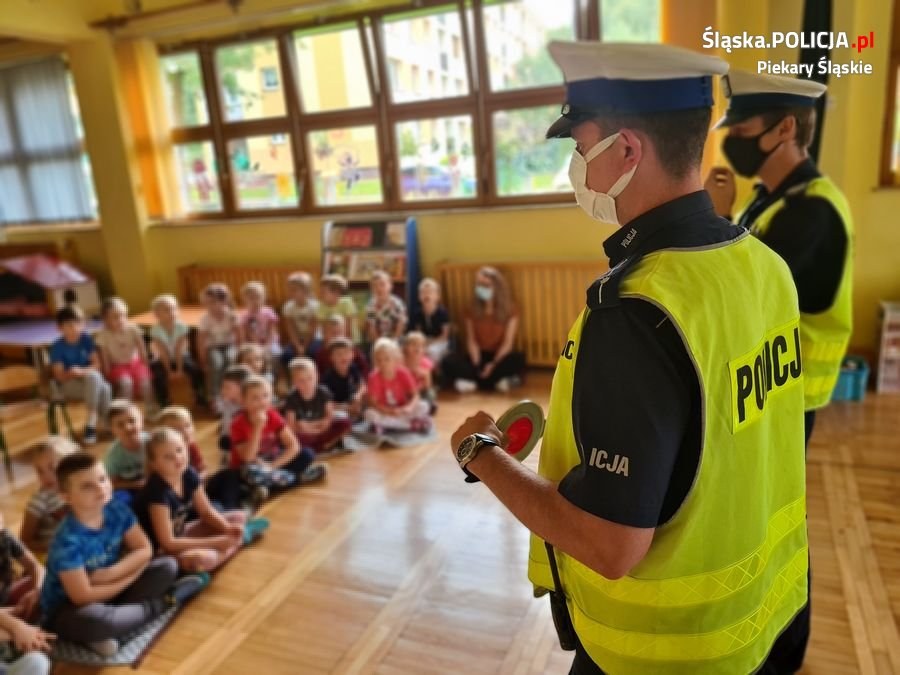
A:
851	154
503	234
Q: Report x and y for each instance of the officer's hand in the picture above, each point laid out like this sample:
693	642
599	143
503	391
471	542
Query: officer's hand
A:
720	186
479	423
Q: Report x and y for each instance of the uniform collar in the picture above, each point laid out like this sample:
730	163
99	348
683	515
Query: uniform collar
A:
633	236
804	172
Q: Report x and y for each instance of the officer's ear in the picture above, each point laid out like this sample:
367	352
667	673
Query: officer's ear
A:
787	128
633	147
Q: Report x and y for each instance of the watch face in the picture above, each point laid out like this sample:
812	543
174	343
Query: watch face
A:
465	448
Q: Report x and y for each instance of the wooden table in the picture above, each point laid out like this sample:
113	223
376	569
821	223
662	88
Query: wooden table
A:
188	314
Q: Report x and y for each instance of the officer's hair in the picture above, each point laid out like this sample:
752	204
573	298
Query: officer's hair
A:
806	122
678	136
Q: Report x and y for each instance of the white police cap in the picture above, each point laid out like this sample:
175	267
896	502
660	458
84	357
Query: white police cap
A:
630	78
751	94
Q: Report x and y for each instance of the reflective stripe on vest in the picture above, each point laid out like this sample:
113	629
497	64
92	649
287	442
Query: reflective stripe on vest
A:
727	573
824	336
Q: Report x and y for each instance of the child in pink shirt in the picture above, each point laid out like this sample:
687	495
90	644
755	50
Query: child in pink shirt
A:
259	322
394	401
420	366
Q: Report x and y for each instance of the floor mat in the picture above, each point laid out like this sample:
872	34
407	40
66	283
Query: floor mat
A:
132	650
366	440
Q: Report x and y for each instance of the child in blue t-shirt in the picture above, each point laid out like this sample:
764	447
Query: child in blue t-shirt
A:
101	583
76	369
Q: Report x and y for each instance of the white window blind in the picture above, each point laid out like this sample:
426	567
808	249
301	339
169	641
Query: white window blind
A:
43	175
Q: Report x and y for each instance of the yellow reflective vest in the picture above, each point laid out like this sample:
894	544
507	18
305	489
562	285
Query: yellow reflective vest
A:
727	573
823	336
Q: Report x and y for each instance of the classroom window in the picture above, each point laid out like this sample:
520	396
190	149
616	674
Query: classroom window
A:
198	177
183	87
629	20
319	131
436	160
345	166
246	95
262	173
523	167
43	175
412	39
519	31
331	69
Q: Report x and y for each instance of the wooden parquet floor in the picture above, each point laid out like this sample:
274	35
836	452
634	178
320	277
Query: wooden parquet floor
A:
395	565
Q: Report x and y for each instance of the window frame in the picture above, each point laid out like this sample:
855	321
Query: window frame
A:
889	177
20	160
384	114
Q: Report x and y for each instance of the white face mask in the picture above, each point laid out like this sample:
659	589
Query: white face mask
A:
598	205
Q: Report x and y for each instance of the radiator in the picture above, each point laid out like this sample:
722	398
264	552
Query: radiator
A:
549	296
194	278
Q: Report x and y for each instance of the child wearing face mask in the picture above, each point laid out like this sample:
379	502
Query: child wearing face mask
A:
490	360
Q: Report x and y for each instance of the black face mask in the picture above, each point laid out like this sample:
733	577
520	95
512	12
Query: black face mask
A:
744	153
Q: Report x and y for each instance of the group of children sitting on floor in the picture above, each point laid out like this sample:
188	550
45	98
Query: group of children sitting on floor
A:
324	361
131	537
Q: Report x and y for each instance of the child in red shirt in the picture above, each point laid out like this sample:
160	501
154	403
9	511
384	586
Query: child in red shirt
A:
263	448
394	401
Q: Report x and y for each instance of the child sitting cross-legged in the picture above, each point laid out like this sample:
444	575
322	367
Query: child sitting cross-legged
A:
264	449
344	380
420	366
19	599
394	401
102	583
164	505
124	460
46	508
232	400
333	329
309	409
178	418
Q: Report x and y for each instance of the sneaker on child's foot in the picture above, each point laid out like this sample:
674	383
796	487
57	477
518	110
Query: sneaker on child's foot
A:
465	386
313	474
254	529
105	648
90	435
187	587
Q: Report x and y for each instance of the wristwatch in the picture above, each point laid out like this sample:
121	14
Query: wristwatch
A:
469	448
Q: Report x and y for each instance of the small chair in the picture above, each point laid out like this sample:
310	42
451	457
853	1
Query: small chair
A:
16	379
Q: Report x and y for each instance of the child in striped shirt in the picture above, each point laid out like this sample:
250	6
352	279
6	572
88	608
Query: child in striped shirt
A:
46	508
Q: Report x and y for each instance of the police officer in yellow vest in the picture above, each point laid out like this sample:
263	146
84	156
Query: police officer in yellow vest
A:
795	210
668	514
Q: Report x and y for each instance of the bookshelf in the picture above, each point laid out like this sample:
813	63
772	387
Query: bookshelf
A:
889	352
356	249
